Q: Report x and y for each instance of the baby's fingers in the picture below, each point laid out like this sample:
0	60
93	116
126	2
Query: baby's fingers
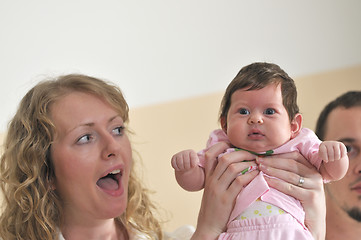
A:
193	159
323	153
343	150
185	160
176	163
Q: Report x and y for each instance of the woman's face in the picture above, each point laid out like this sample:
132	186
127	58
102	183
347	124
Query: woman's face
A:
92	157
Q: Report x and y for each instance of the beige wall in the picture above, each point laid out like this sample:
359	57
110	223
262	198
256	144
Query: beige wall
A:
315	91
164	129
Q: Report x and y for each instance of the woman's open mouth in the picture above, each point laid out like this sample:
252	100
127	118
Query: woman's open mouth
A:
110	183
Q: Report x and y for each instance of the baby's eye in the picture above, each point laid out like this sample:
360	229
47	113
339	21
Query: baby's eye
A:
269	111
119	130
84	139
243	111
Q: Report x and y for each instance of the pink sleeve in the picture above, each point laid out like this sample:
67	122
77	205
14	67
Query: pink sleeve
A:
216	136
307	143
309	147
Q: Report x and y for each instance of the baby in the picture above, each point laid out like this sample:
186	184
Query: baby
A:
259	114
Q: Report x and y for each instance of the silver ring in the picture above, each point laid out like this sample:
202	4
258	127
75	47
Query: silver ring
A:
300	181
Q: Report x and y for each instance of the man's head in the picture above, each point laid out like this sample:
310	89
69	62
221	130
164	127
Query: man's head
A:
341	120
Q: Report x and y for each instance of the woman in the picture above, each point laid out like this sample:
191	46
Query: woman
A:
67	171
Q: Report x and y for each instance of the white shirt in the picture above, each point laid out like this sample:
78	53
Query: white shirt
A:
184	232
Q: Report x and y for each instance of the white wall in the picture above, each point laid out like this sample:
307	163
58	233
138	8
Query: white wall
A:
163	50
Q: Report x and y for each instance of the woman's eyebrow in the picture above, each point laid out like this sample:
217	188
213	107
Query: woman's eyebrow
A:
115	117
90	124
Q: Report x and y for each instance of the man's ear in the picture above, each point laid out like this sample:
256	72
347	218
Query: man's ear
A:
224	124
296	125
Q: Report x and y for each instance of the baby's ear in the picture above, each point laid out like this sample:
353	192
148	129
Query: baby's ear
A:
296	125
224	124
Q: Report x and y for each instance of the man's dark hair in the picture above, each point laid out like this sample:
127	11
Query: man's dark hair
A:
346	100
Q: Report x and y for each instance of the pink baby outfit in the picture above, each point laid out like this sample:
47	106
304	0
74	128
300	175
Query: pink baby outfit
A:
274	227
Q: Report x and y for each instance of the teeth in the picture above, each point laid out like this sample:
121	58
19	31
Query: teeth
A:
116	171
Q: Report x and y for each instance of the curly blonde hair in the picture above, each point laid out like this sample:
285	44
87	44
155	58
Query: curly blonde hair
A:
31	209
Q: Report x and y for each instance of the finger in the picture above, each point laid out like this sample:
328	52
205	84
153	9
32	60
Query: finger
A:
211	156
291	156
343	150
294	165
289	176
233	172
323	153
174	163
193	159
227	164
330	153
285	187
228	168
186	161
234	166
337	153
297	192
180	164
239	182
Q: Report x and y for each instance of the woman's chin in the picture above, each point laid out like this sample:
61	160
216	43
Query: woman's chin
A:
113	212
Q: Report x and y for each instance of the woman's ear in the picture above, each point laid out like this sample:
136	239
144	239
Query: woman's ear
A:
224	124
296	125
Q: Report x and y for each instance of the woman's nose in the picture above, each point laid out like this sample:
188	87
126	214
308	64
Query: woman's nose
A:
110	147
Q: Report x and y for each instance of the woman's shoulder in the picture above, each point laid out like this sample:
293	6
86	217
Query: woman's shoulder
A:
184	232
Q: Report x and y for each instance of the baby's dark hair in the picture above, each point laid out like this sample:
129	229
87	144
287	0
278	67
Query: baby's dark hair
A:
257	76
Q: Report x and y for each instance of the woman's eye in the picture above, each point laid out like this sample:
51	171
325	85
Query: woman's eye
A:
119	130
269	111
84	139
244	111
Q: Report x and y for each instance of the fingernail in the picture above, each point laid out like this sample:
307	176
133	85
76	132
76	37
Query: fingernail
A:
262	167
259	159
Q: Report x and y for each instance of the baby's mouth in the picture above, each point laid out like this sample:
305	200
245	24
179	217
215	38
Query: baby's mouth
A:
110	181
255	134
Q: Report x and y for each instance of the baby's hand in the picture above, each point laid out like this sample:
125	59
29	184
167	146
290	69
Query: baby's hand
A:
332	151
185	160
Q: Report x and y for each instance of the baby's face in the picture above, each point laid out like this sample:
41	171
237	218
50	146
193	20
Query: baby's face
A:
257	119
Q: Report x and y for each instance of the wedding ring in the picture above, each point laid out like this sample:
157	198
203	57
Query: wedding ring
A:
300	181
